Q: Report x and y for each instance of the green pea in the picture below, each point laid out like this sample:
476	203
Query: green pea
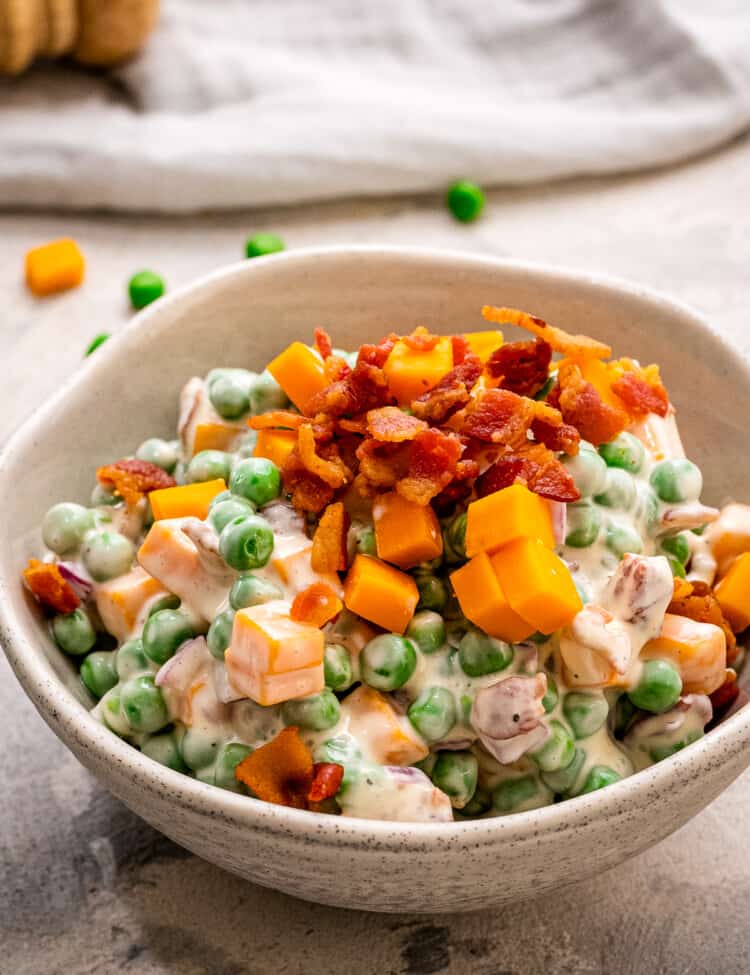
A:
246	543
101	497
624	714
169	601
621	537
163	453
220	633
98	672
677	480
131	659
599	777
337	667
261	244
546	389
678	569
199	749
563	780
432	593
584	712
366	541
454	539
480	654
229	393
433	713
465	200
229	510
73	632
659	687
64	526
143	704
455	773
558	750
342	750
145	287
427	630
625	451
512	793
266	394
550	699
588	470
479	804
316	712
677	546
256	479
94	344
619	490
223	496
388	661
250	590
584	521
107	554
164	632
111	712
229	757
208	465
659	752
428	568
165	749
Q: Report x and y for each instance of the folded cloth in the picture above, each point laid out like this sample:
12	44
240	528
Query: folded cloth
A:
253	102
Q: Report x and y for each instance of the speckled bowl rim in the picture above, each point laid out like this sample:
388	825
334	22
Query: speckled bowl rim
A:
68	717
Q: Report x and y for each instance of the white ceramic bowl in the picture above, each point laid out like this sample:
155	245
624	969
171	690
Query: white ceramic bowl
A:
242	316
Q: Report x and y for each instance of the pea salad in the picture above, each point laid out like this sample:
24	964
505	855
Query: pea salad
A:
438	578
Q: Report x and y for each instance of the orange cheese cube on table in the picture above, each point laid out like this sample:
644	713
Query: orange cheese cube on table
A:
483	601
275	445
733	593
300	373
389	738
502	517
485	343
214	436
411	373
537	584
120	600
272	658
699	651
729	535
54	267
405	533
380	594
185	500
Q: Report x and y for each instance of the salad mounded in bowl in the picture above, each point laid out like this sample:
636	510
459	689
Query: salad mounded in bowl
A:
439	577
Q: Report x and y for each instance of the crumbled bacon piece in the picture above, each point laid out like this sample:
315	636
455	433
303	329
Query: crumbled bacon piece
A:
132	479
280	771
381	465
329	541
421	340
639	396
696	601
582	407
725	696
308	492
390	424
461	349
365	388
276	419
432	466
537	468
451	393
376	355
323	343
327	778
521	367
499	416
446	501
50	587
356	424
316	605
327	465
560	340
557	436
335	369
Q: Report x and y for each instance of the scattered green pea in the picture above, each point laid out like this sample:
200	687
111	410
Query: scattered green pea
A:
678	546
558	750
98	672
625	451
73	632
164	748
599	777
199	749
145	287
465	200
107	554
584	521
454	539
455	773
432	593
427	630
266	394
170	601
479	654
659	687
585	712
256	479
229	510
250	590
512	793
246	543
433	713
619	490
366	544
588	470
94	344
388	661
220	633
64	526
143	704
261	244
229	392
677	480
564	780
163	453
208	465
621	538
551	696
229	757
316	713
337	667
164	632
130	659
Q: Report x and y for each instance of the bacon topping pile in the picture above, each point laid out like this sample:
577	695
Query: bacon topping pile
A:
133	479
696	601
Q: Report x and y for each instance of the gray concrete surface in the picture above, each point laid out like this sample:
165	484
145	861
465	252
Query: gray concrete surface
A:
86	887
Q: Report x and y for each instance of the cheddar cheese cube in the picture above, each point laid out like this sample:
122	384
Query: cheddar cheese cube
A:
54	267
214	435
389	738
698	650
537	584
185	500
272	658
733	593
483	601
729	535
405	533
300	373
484	343
502	517
380	593
275	445
411	372
292	563
121	600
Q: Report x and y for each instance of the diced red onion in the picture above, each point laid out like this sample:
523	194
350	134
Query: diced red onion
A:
223	687
179	672
80	584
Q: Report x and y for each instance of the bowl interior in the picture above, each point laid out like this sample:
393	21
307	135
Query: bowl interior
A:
246	314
